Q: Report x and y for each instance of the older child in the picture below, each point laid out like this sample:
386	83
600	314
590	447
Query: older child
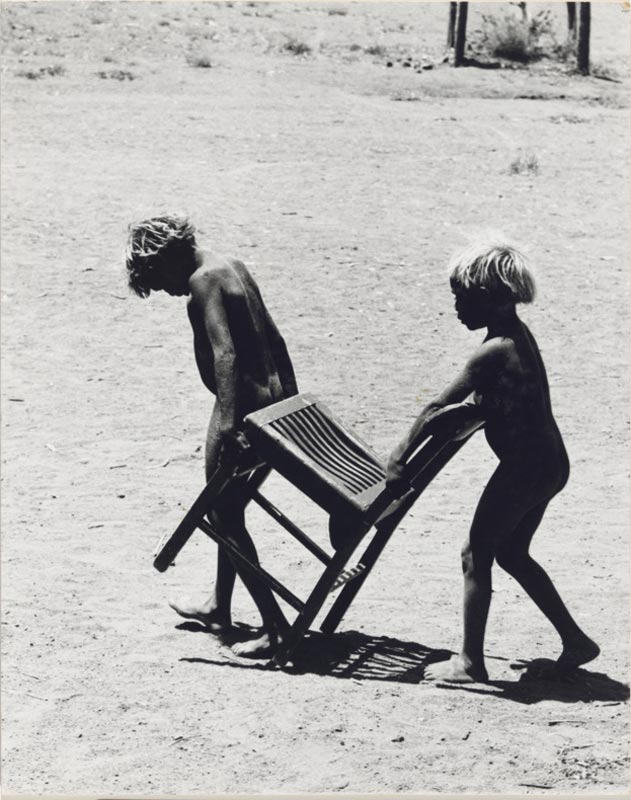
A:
508	378
243	361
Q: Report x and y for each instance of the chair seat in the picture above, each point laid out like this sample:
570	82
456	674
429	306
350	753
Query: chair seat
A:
302	440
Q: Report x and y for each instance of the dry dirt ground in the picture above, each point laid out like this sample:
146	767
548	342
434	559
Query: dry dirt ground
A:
345	184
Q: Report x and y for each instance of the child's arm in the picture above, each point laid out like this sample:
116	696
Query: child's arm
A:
200	348
281	357
473	377
207	294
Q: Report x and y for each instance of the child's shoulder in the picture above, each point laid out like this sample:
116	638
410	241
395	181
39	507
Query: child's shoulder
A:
491	357
494	349
216	272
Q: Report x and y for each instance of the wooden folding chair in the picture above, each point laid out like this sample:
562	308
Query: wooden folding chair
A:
301	440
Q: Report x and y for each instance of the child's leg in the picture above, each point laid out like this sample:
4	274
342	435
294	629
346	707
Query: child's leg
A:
503	503
512	554
229	518
505	521
214	612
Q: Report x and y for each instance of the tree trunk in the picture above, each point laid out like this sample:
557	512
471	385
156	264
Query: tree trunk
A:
571	20
451	27
584	24
461	34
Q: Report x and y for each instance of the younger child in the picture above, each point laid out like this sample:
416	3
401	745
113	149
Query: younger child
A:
242	360
508	379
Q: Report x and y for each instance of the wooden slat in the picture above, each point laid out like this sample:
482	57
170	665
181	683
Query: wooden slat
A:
256	569
292	528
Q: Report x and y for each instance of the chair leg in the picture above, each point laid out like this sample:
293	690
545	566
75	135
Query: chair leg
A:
349	592
384	530
168	548
315	601
241	561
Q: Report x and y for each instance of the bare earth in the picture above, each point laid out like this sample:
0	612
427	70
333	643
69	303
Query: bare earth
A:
345	185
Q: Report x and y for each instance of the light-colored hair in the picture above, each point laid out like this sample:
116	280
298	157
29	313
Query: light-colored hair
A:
495	266
147	241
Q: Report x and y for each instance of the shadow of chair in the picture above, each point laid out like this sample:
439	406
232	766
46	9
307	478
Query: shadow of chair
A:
354	655
348	655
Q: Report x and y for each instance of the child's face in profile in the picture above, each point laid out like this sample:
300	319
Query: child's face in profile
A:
168	278
472	306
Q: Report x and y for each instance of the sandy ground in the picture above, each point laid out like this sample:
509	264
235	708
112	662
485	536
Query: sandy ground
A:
345	185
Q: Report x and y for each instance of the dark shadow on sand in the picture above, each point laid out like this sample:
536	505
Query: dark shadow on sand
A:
474	62
351	654
240	631
360	656
540	681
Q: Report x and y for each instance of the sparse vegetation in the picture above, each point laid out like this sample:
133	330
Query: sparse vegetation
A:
296	47
55	69
405	97
31	74
572	118
525	164
200	61
34	74
117	75
605	73
376	50
565	51
514	38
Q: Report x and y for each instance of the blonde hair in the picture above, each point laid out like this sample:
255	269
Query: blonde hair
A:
495	266
147	242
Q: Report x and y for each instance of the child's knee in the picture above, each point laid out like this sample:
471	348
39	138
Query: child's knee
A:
470	559
510	558
466	558
474	558
215	518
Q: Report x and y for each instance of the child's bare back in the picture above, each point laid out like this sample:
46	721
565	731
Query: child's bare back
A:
226	299
514	397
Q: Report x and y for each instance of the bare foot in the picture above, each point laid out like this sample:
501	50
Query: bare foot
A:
209	617
263	647
456	670
577	653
